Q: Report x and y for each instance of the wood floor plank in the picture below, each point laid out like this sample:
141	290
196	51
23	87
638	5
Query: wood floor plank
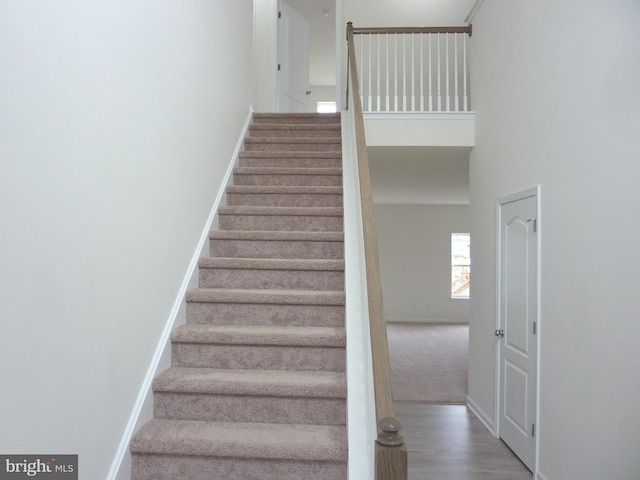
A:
448	442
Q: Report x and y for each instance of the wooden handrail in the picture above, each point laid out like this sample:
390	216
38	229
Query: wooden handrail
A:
391	453
365	30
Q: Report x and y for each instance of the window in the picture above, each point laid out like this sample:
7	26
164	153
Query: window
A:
460	265
326	107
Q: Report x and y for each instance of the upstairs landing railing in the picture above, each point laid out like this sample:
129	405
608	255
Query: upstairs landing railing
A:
417	69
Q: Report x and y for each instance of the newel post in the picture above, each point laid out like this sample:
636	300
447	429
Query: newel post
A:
391	451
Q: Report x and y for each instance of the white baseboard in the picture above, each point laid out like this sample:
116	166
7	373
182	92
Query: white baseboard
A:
482	416
426	320
143	408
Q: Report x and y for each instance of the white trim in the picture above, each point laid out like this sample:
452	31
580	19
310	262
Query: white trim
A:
455	321
483	417
142	408
420	116
474	11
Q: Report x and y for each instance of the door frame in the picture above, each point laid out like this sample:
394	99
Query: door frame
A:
521	195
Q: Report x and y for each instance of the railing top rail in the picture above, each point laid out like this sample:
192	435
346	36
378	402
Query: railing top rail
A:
388	30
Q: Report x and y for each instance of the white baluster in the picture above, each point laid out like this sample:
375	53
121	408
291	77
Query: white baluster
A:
455	57
429	36
464	73
447	86
439	79
421	72
387	68
395	73
378	83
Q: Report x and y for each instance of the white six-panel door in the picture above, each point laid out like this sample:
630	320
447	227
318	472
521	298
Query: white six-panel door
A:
518	323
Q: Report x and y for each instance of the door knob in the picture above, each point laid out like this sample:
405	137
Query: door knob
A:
499	333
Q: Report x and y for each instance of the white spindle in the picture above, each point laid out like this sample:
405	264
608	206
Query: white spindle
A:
404	73
378	82
439	79
455	76
370	77
430	76
361	69
395	73
464	73
387	68
447	86
413	74
421	72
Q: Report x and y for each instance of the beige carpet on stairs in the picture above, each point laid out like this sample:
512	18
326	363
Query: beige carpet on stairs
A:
429	362
257	385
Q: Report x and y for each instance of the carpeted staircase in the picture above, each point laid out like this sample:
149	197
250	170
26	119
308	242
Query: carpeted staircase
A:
257	386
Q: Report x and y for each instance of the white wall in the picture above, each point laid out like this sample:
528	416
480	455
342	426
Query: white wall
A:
414	244
555	86
406	13
118	121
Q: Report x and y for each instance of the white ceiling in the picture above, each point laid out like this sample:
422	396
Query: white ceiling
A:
419	175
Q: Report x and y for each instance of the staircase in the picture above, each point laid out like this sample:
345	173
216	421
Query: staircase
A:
257	387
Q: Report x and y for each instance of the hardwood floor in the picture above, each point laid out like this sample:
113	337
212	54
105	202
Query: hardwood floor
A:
448	442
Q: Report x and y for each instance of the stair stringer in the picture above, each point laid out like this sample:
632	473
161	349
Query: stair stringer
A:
361	412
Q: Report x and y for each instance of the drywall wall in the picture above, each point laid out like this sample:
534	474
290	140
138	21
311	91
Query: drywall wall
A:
414	244
118	122
406	13
555	90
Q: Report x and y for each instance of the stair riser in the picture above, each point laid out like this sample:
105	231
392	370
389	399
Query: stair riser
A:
276	249
247	408
256	314
275	223
287	180
256	145
290	162
271	279
314	132
284	200
241	357
172	467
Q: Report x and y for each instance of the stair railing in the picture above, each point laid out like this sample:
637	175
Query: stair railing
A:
413	69
390	455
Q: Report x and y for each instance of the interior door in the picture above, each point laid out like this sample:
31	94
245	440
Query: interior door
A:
518	324
293	60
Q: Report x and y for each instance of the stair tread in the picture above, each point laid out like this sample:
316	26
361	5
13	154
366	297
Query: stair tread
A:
311	115
287	170
272	335
294	154
279	383
295	126
264	296
274	235
290	211
244	440
271	263
285	189
290	140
